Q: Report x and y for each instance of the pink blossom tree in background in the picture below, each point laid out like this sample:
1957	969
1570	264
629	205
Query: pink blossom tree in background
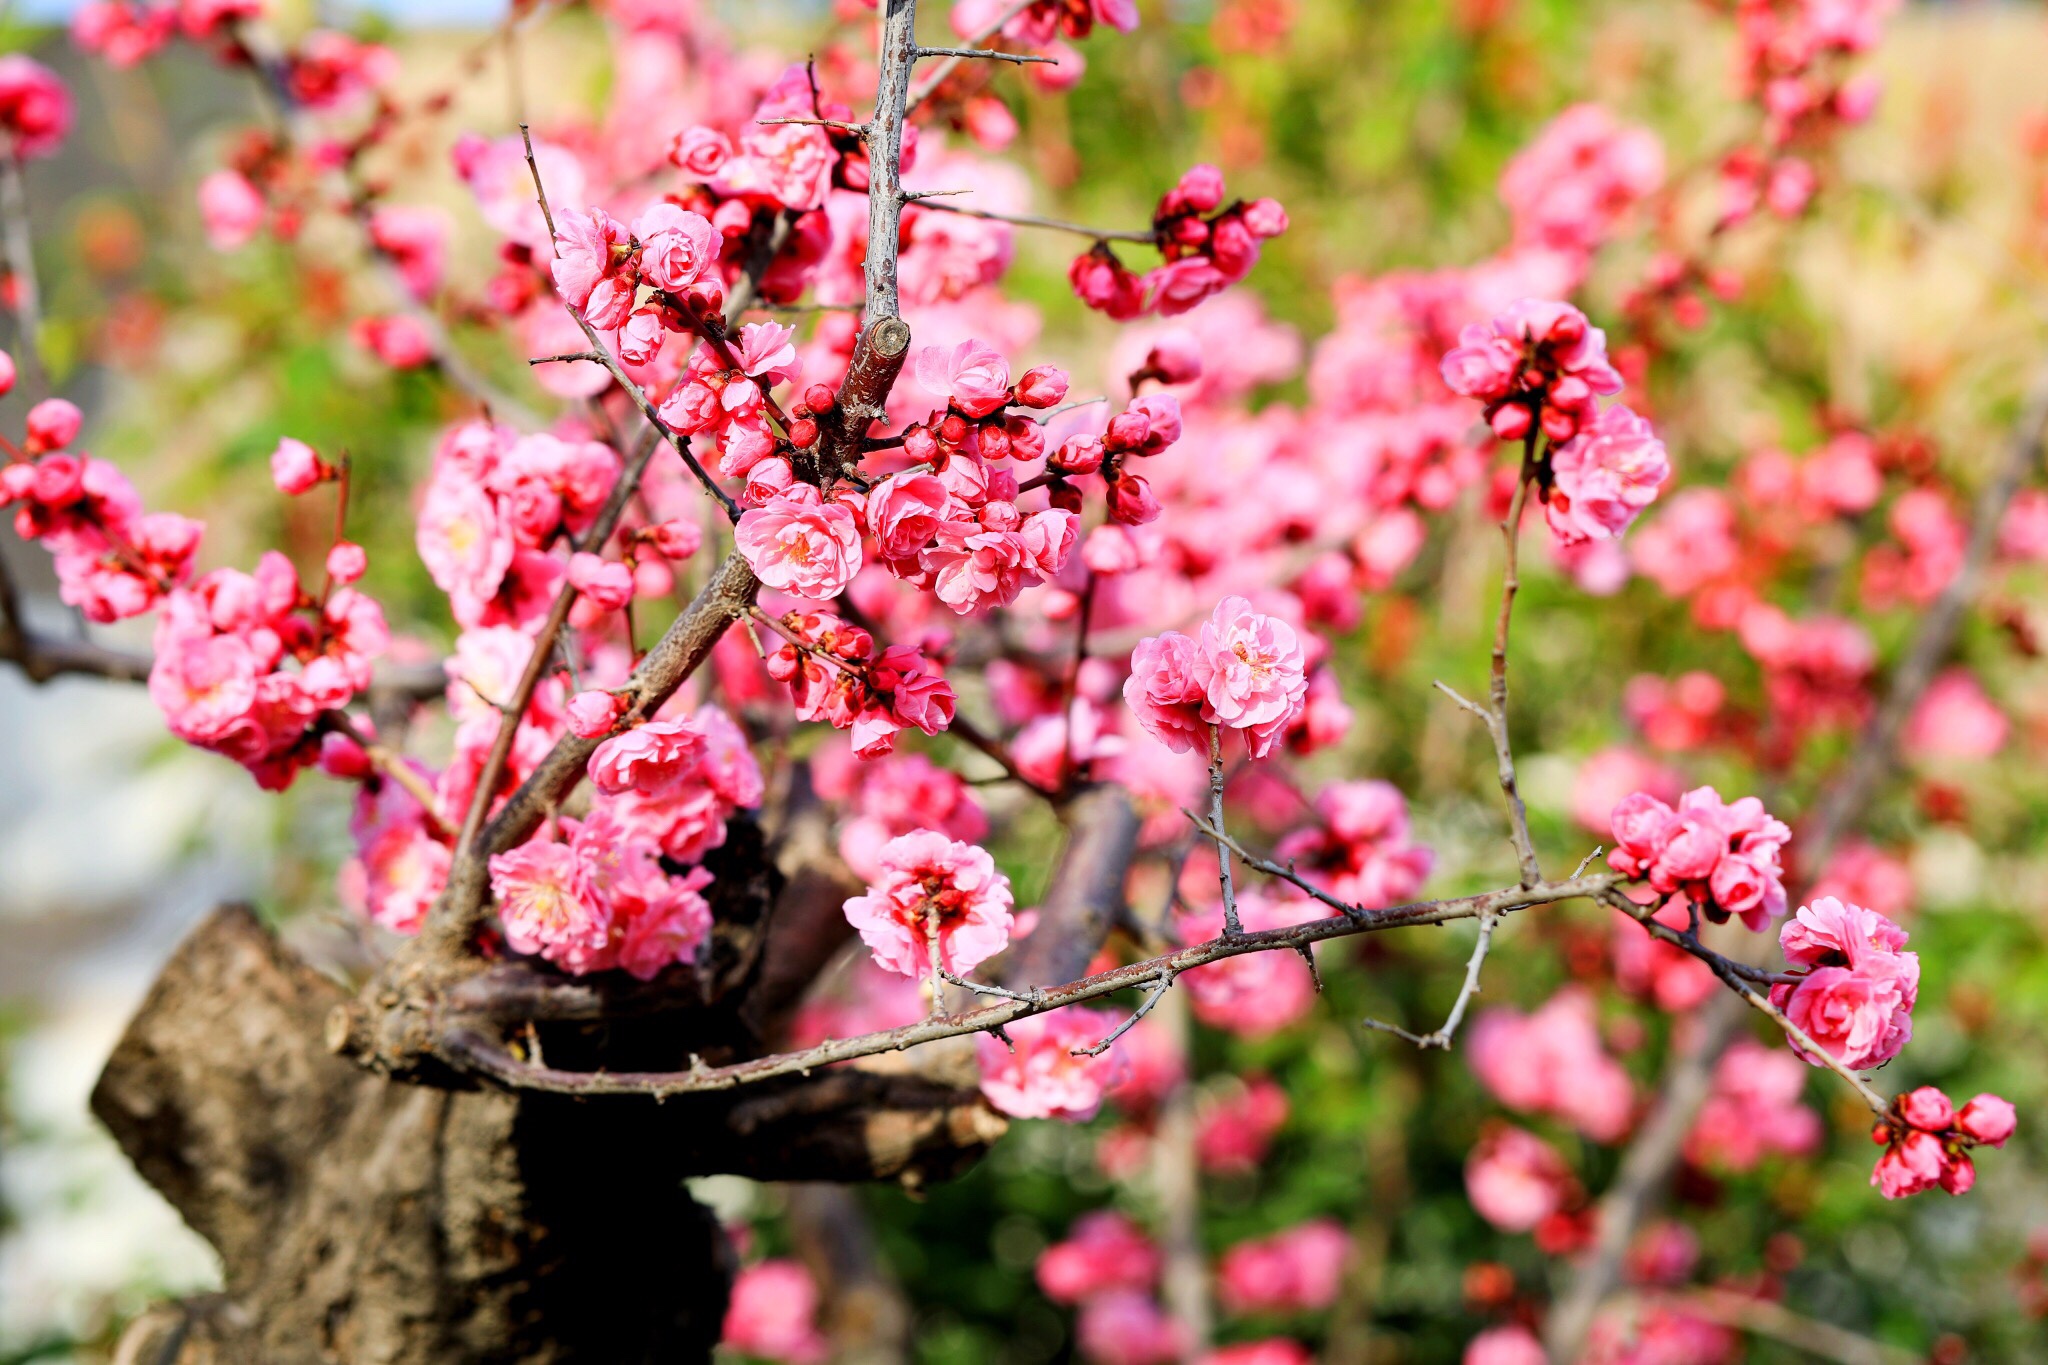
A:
819	600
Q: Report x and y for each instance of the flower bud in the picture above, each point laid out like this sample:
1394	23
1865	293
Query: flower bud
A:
1959	1175
1043	386
1510	423
1927	1109
1027	438
1987	1119
594	713
1131	500
60	480
6	374
1127	431
919	445
953	430
1201	188
606	583
819	398
52	425
1265	218
1078	455
803	433
346	562
994	441
294	468
675	539
342	758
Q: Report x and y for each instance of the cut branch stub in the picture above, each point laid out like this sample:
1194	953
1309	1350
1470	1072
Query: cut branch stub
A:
878	359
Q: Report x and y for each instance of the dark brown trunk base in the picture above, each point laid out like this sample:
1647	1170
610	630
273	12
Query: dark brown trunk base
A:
361	1220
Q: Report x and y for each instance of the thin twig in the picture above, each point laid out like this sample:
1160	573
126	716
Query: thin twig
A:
988	54
1158	988
936	77
1054	224
1231	927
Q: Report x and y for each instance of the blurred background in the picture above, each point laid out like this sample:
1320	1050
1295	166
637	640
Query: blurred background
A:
1915	302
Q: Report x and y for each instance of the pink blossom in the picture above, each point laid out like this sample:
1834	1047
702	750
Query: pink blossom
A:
930	884
1266	1351
399	341
592	714
1234	1131
1753	1111
1611	774
1856	1002
772	1314
1604	477
1955	719
347	561
605	583
1257	994
972	374
901	794
1104	1251
801	544
545	901
35	106
1913	1164
701	152
52	424
766	352
1250	668
1579	175
676	246
1361	851
294	467
415	238
1515	1179
647	758
588	247
904	512
973	565
1551	1062
1296	1271
1124	1327
1690	544
1512	1344
232	209
1042	1074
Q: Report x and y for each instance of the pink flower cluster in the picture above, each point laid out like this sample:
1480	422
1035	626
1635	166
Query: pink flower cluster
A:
1103	1252
1150	424
599	898
1042	1072
932	890
890	796
1602	478
1245	671
246	663
1724	856
1360	852
1253	995
496	512
1855	1000
837	677
1234	1129
402	859
1208	247
1540	364
1551	1062
1568	188
1753	1111
1817	671
1296	1271
729	404
1927	1141
1519	1183
113	560
125	32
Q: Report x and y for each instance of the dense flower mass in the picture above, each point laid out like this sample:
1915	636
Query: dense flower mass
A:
1723	855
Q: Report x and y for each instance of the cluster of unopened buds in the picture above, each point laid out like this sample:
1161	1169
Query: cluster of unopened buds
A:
1208	247
1927	1141
113	560
1148	426
835	675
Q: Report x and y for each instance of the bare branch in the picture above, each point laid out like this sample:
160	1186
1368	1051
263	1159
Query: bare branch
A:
463	1050
885	157
1231	927
1158	988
